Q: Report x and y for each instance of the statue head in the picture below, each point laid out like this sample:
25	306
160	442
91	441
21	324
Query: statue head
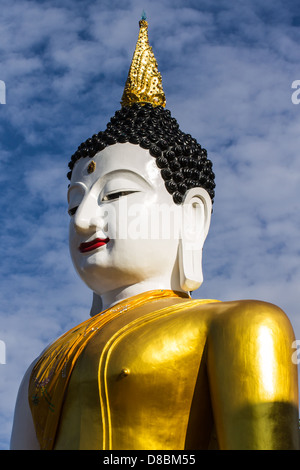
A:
140	197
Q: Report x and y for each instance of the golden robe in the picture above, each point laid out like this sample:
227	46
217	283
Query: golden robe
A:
162	371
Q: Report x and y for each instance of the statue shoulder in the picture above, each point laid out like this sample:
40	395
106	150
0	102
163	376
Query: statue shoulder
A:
252	375
23	435
251	316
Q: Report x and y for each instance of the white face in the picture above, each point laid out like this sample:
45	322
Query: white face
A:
121	229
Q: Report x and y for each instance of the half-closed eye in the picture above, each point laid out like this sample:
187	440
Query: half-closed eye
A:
117	195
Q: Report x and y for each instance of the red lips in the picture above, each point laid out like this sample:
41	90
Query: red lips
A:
92	245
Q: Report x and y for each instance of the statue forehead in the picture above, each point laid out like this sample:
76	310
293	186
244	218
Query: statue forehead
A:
127	158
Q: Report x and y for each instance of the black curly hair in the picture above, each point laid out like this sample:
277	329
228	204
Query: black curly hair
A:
182	161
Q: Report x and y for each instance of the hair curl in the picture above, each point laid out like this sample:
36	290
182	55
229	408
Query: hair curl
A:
182	161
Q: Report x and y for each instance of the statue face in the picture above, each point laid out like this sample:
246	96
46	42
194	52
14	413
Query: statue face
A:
123	227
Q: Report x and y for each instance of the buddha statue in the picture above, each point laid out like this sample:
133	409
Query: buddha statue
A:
152	368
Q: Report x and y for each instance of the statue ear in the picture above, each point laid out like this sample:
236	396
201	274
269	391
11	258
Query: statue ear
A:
195	222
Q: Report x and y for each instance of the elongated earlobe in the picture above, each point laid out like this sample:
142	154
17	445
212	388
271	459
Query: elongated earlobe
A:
196	215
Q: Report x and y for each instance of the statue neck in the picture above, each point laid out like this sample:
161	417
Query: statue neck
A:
117	295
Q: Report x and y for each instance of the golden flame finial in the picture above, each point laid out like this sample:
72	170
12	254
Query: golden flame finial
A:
143	84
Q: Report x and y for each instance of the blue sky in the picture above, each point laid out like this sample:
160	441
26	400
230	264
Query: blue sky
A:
227	71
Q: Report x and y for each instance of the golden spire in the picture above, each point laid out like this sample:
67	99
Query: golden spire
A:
144	84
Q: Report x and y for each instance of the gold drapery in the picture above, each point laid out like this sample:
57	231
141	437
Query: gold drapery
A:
52	371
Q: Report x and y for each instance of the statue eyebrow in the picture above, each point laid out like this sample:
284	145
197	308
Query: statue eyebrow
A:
110	176
124	173
77	184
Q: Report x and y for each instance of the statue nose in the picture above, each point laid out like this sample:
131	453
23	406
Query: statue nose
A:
84	225
88	216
